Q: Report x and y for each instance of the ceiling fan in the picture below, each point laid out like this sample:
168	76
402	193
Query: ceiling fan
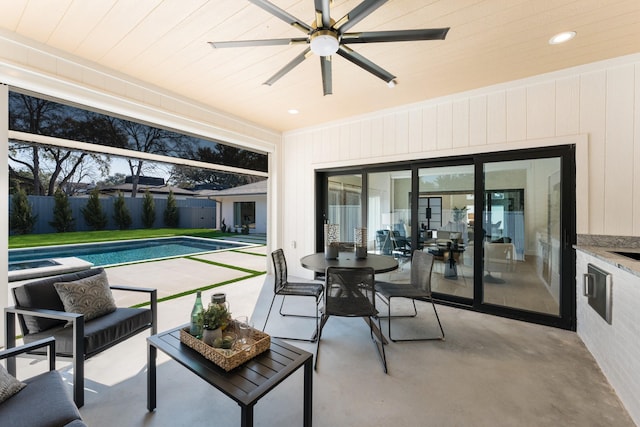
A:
326	37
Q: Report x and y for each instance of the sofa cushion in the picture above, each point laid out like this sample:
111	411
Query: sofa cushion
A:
101	332
45	402
90	296
9	385
42	294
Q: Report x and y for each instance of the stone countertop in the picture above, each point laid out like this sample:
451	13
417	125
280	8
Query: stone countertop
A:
606	255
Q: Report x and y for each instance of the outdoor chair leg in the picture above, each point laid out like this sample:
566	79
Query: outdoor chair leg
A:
313	338
268	313
388	303
323	321
379	344
441	338
289	314
438	319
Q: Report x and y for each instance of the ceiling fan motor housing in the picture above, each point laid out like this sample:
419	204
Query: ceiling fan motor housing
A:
324	42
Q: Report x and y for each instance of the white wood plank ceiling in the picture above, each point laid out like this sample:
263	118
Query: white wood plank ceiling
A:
164	42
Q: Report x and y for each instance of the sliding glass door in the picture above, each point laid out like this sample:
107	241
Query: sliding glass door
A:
499	225
522	243
446	214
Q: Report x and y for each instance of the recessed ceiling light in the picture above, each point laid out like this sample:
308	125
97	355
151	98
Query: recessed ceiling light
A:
292	111
562	37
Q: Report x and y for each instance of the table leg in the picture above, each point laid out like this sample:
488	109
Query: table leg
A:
151	377
246	417
308	392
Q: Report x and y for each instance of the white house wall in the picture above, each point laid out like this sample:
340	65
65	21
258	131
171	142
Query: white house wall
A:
261	211
596	107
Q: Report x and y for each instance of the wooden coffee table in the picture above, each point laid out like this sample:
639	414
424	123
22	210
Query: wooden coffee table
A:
247	383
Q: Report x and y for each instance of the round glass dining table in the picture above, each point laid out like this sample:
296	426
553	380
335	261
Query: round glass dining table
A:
318	263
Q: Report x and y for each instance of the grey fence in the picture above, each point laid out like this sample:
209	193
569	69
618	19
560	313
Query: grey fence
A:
194	213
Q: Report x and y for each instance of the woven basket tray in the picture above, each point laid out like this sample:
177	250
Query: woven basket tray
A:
231	358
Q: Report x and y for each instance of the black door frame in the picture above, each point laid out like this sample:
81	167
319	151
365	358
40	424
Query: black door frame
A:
566	153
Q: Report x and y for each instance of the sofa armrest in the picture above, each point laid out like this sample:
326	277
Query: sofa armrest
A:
41	312
153	302
76	319
45	342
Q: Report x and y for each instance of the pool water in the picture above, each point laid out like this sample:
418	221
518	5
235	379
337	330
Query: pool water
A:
24	265
108	253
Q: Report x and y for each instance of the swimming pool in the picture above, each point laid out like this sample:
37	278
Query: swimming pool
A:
125	251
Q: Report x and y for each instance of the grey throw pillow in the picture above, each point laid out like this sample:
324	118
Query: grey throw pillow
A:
90	296
9	385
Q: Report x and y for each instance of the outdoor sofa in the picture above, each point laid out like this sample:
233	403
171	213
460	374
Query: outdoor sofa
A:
43	401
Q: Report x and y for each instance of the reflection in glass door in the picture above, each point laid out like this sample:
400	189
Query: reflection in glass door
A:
521	227
446	219
344	206
389	218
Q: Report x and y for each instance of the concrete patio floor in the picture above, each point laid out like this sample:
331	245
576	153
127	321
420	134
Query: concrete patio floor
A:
490	371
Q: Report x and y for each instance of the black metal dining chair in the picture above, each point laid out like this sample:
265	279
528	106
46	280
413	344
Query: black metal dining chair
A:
283	287
419	288
350	292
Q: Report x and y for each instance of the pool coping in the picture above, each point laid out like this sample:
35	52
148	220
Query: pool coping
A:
65	265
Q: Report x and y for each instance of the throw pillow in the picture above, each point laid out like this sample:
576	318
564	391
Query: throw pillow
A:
9	385
90	296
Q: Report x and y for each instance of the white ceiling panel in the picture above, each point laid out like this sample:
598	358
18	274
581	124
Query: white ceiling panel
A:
164	43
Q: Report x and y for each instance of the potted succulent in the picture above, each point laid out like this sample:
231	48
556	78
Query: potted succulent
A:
213	320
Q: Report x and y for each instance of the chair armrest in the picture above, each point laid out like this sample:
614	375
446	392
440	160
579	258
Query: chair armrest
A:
76	319
153	302
41	312
45	342
132	288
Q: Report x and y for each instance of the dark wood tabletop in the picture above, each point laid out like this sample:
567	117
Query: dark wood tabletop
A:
380	263
245	384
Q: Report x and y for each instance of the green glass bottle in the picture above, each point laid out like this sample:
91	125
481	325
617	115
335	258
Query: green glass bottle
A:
195	329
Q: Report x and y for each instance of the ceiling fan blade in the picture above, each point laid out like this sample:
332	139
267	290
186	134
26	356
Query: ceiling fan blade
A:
267	42
325	65
323	17
395	36
290	66
363	62
357	14
281	14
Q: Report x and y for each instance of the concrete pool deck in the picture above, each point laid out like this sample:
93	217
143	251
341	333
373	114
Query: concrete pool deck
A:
178	275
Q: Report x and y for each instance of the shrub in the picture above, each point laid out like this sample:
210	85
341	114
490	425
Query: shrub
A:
148	210
171	213
21	220
92	212
62	216
121	214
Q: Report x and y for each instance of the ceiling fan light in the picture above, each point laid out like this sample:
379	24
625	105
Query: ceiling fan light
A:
324	43
392	83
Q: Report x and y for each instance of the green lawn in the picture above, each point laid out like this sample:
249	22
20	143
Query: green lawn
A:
29	240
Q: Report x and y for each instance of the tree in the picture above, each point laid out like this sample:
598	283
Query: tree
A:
171	213
92	212
53	167
62	215
121	214
21	220
148	210
146	139
223	155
